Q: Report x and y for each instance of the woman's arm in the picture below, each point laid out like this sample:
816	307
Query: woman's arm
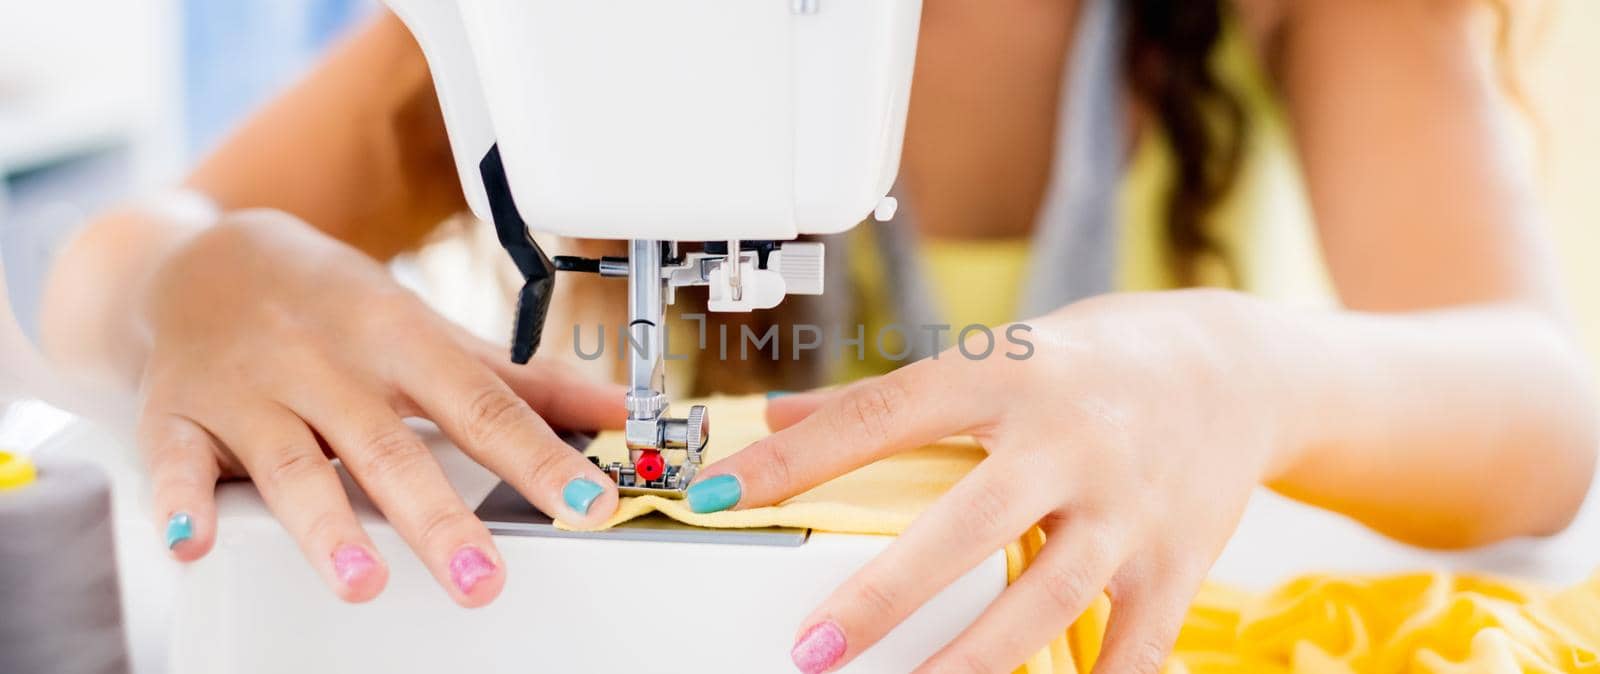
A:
357	149
1446	405
1455	408
1448	428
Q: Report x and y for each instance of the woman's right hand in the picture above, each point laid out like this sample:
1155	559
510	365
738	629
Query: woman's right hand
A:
274	348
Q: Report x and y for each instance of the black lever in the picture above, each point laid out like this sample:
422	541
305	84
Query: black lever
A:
588	265
538	274
577	264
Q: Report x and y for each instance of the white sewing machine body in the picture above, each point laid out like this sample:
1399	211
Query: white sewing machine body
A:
571	606
692	120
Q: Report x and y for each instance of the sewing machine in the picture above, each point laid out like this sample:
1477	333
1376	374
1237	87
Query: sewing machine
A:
740	123
710	135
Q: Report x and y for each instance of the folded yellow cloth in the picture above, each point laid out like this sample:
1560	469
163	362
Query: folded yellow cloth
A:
1434	623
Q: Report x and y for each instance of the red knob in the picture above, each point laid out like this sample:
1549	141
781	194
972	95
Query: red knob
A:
650	466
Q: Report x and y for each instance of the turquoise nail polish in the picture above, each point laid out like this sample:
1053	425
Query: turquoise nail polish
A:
714	494
581	493
179	529
771	395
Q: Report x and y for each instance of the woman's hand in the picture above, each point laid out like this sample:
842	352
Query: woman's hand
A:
1132	436
274	348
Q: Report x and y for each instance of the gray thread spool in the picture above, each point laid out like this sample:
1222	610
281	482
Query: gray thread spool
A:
60	610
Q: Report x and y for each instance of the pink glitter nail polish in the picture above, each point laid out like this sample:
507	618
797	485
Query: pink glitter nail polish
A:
352	563
468	566
818	649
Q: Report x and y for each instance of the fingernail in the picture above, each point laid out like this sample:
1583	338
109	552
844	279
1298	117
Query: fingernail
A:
468	566
179	529
580	493
776	394
818	648
713	494
352	563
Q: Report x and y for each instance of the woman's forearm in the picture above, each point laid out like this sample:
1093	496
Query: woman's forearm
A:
92	293
1461	412
357	148
1445	428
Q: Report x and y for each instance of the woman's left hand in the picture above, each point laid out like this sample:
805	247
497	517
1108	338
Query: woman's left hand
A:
1133	436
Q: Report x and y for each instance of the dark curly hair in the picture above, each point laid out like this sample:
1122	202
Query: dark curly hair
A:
1168	68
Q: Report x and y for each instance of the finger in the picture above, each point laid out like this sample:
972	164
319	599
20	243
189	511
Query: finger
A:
787	410
499	430
560	394
183	465
302	490
397	471
1147	611
980	514
921	403
1068	575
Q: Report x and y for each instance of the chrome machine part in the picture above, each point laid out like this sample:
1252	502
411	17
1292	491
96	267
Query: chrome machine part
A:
735	270
646	312
648	430
648	472
746	276
506	512
741	276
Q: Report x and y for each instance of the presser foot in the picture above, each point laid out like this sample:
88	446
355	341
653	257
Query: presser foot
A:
672	482
647	472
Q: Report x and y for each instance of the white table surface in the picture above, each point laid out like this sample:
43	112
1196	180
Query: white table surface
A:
1276	540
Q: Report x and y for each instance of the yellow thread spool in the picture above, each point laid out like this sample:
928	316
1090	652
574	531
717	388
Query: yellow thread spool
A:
16	471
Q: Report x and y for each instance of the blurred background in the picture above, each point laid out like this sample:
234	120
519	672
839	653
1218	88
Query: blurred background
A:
103	100
99	100
1565	82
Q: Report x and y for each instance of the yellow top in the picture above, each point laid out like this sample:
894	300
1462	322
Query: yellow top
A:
16	471
1263	229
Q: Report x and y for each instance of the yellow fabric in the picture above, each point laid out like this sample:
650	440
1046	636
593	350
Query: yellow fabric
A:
878	499
1263	230
1423	623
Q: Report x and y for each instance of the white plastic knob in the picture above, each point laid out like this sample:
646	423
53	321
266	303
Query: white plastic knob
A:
759	288
886	209
801	264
